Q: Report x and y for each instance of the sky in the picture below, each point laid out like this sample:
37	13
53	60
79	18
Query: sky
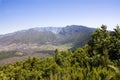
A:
23	14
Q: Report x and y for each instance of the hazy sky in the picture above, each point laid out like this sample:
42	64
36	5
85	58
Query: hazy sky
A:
23	14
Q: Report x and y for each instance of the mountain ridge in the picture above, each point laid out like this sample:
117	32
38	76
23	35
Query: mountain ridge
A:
73	35
48	33
42	41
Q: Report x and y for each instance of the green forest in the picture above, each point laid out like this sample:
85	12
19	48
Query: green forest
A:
97	60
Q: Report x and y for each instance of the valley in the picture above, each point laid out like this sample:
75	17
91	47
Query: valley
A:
42	41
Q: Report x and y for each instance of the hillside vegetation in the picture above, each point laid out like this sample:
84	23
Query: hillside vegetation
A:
97	60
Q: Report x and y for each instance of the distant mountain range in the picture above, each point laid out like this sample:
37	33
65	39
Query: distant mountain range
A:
73	34
41	41
48	35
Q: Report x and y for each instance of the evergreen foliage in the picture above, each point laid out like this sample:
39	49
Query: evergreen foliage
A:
97	60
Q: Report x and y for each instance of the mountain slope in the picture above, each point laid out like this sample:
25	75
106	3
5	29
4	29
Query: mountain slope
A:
41	41
73	34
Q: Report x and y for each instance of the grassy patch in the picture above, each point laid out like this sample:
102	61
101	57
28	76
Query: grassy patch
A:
51	52
8	54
